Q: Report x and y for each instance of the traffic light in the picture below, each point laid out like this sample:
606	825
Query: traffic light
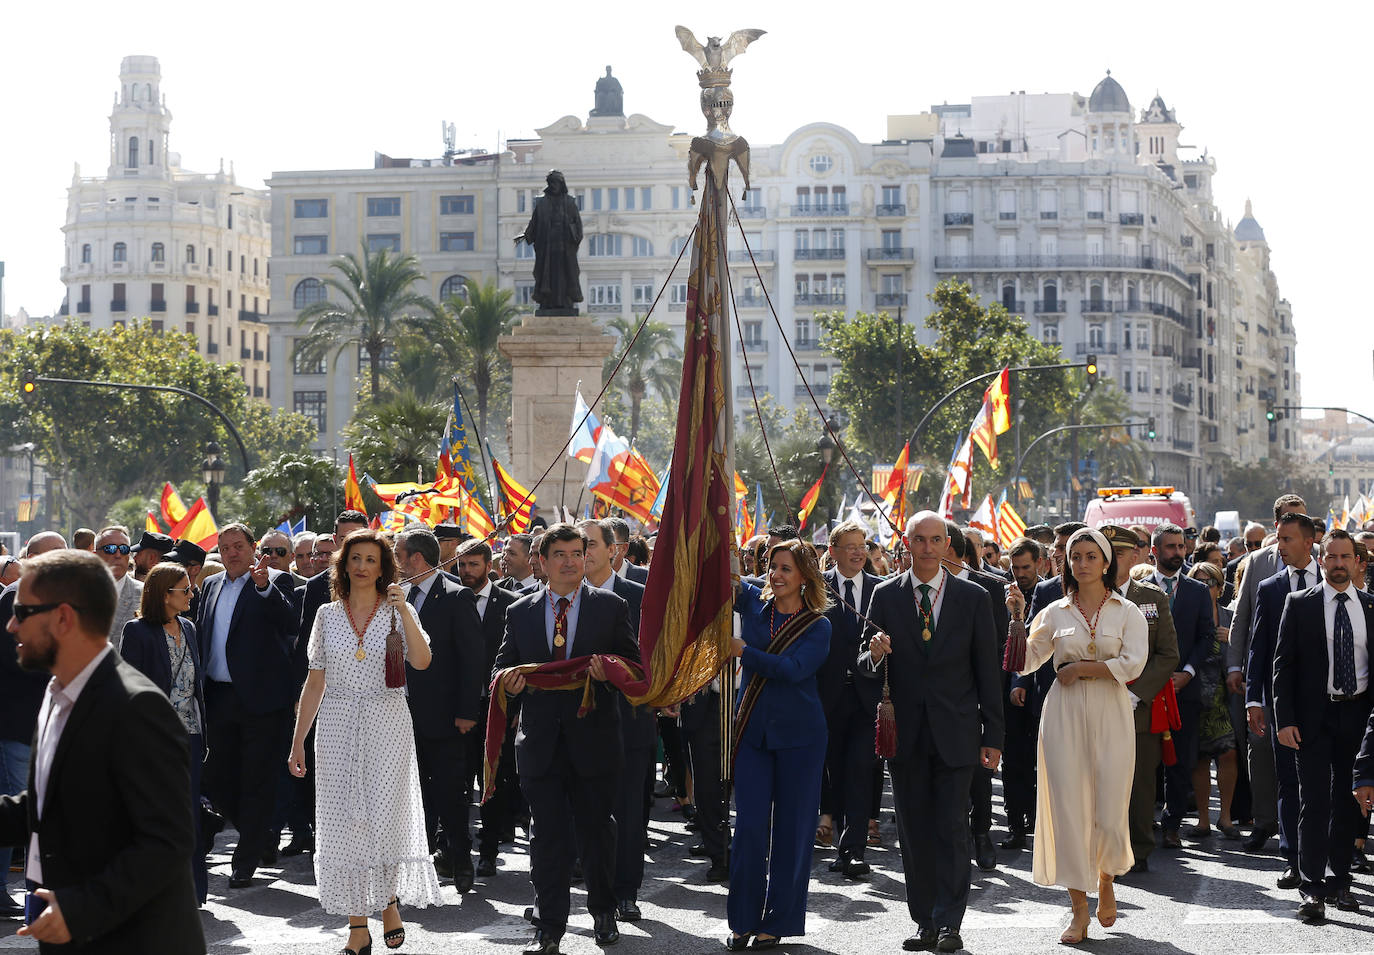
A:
1269	412
1150	429
1092	370
28	385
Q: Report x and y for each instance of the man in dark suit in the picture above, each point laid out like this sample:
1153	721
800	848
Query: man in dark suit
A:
850	702
1321	707
1036	685
517	563
1299	572
638	729
247	625
445	698
622	567
699	726
944	678
1190	605
1023	721
498	813
569	766
107	811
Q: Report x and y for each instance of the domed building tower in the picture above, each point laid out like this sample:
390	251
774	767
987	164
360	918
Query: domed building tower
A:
1110	129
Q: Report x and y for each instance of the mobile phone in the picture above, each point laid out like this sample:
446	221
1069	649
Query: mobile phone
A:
33	907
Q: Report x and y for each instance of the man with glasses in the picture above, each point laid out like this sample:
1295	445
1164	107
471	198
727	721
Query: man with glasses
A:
9	570
112	547
322	553
303	566
276	547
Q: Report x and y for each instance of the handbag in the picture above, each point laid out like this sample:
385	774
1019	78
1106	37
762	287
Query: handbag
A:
395	654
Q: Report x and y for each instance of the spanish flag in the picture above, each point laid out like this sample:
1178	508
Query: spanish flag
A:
353	494
998	397
197	526
894	495
150	523
173	510
514	500
809	499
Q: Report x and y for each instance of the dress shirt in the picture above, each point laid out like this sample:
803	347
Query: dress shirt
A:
423	586
217	667
858	581
1312	574
1355	609
607	585
530	581
621	572
550	612
57	706
119	586
1171	591
483	596
937	594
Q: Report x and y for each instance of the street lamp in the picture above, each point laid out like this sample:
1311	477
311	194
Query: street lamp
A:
212	472
826	446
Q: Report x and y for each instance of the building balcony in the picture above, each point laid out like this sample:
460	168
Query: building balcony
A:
212	309
117	305
247	316
750	301
828	209
158	306
819	389
807	344
259	355
602	307
754	346
192	308
1098	307
958	218
83	308
1132	218
890	254
212	348
1049	216
760	255
1181	445
1094	214
819	298
1146	263
1095	348
1015	306
890	209
1006	217
890	299
1162	351
245	353
752	212
1182	396
1050	306
803	255
744	391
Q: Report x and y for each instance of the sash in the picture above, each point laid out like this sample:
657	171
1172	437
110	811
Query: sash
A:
791	631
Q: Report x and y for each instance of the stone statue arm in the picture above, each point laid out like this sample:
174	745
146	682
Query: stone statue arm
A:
531	233
574	222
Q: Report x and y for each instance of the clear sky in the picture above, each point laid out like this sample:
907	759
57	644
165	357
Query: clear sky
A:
1274	92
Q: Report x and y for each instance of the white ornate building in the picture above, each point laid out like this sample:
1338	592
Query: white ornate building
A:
149	238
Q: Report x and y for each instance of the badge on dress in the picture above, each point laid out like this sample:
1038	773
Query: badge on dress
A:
1149	611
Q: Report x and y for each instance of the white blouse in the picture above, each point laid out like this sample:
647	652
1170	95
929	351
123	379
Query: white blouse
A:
1121	640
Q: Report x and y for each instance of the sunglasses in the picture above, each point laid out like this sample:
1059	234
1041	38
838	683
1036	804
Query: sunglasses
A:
115	549
279	551
23	612
1254	545
188	589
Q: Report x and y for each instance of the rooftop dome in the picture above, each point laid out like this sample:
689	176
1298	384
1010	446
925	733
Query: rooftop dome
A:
1247	229
1108	97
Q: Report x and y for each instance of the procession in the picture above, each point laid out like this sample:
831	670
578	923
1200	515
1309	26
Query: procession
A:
628	674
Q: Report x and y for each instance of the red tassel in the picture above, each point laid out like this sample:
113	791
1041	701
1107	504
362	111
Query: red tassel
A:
1167	748
395	655
1014	657
885	745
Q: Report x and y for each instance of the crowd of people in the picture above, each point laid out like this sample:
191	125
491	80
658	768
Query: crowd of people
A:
336	688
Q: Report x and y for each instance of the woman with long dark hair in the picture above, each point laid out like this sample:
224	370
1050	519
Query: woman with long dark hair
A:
779	746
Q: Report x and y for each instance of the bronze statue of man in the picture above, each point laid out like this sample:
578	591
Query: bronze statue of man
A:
555	232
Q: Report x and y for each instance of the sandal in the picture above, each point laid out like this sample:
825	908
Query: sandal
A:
1106	902
1077	930
825	834
395	937
364	950
875	836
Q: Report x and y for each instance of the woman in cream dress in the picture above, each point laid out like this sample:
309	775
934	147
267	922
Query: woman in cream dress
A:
1099	642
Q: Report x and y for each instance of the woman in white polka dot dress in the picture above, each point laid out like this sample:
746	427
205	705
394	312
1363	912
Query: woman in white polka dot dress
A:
370	843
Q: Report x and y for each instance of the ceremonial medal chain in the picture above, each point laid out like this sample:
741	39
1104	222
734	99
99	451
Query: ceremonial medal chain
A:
928	621
773	620
1092	624
560	627
361	654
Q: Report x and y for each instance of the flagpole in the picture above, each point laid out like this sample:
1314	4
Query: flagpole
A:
481	439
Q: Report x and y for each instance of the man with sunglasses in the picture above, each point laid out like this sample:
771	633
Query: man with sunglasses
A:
112	547
276	547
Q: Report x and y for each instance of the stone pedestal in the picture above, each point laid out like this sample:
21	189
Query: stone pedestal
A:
549	356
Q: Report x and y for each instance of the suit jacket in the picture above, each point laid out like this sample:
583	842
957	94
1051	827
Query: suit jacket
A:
21	691
1196	630
1163	658
262	639
636	574
955	684
493	629
144	647
116	836
1301	661
1262	564
788	713
846	638
1270	596
997	596
638	724
450	688
126	608
548	718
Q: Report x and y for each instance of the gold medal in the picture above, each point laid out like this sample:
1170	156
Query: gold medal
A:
1092	648
558	641
360	655
925	635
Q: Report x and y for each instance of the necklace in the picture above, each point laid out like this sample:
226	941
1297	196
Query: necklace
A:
928	619
559	637
773	627
1092	624
361	654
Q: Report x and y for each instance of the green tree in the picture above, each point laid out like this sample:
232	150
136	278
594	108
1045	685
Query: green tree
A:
376	301
482	316
397	438
1251	490
289	487
652	364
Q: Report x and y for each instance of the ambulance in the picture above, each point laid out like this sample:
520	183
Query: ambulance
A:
1147	506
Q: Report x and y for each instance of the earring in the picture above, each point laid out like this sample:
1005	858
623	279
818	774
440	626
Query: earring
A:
803	588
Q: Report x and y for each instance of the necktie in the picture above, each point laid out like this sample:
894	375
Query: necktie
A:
1344	640
560	630
927	615
851	608
1302	579
1169	589
413	598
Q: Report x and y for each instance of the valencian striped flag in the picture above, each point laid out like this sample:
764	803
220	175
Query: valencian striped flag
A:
1010	525
513	499
620	477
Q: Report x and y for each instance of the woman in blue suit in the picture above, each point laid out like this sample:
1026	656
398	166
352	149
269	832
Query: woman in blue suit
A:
779	747
161	644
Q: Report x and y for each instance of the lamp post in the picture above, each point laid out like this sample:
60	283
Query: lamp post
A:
212	472
826	446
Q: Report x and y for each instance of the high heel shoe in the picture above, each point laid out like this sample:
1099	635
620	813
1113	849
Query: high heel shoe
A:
1078	927
1106	901
365	950
396	937
736	943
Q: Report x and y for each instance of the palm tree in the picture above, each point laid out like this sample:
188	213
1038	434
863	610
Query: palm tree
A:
476	322
394	439
375	300
653	363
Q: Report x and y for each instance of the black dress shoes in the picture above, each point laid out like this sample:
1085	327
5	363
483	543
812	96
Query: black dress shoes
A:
1290	878
240	880
462	875
1014	842
856	869
699	849
1343	900
736	943
1258	837
949	940
486	867
837	865
1141	865
1312	909
298	845
443	865
627	910
545	943
984	853
1359	862
719	872
10	909
605	928
766	942
923	941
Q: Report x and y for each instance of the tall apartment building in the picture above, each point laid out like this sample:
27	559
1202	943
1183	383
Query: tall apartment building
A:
189	250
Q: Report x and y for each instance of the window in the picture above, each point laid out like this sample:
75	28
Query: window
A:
804	197
454	285
893	285
892	196
1009	297
596	200
614	197
1049	203
384	241
1095	336
454	242
802	240
312	208
753	333
837	198
158	297
159	252
524	293
821	163
679	244
190	255
1142	381
646	197
629	198
641	247
803	330
1094	203
521	200
1006	204
958	200
642	294
384	206
243	264
837	239
229	221
753	198
121	252
86	254
678	293
603	294
1049	333
461	205
677	197
1050	296
312	405
133	153
308	292
209	258
523	250
603	245
310	245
